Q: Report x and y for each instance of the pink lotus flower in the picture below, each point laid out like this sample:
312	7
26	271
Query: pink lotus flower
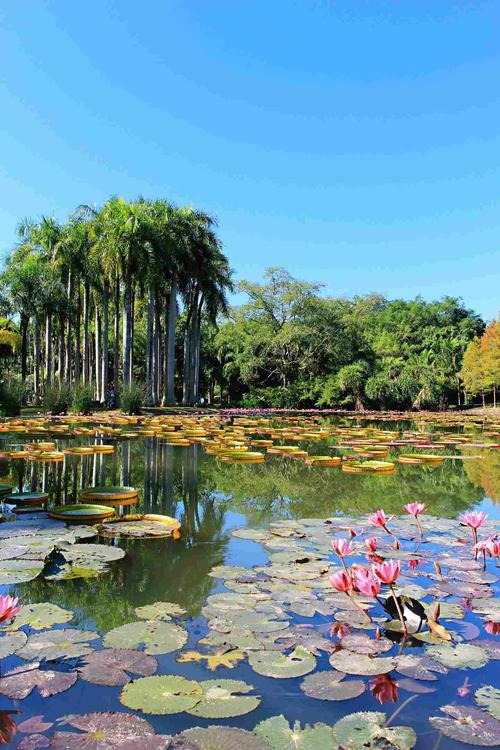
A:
342	547
388	571
415	509
378	519
366	582
371	543
8	607
474	519
341	581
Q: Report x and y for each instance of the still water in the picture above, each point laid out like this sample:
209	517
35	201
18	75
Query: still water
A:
210	499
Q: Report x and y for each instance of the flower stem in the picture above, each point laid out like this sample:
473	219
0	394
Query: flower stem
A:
400	614
358	605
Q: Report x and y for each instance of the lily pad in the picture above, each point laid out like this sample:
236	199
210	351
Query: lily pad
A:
18	683
67	643
365	729
112	666
219	738
112	729
222	699
19	571
469	725
157	637
330	686
40	616
461	656
159	611
280	735
281	666
165	694
361	643
360	664
419	667
11	642
489	698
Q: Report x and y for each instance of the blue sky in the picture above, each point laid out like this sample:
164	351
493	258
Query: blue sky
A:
354	142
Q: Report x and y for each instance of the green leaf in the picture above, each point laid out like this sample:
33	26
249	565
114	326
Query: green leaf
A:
165	694
281	736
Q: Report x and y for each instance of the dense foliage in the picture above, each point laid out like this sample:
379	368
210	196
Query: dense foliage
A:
288	346
481	363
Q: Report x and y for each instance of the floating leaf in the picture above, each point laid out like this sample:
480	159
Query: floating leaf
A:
165	694
33	742
281	736
112	729
366	730
351	663
461	656
275	664
489	698
35	724
19	571
219	738
221	699
330	686
225	658
361	643
158	637
40	616
11	642
469	725
159	611
419	667
111	666
18	683
58	644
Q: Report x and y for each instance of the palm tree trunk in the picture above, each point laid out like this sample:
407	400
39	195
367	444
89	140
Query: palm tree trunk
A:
24	345
172	323
197	352
48	349
127	329
149	349
69	342
86	350
36	362
116	343
77	336
60	364
97	357
105	342
156	351
186	368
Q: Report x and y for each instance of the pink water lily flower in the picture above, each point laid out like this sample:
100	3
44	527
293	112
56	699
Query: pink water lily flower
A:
8	607
366	582
387	571
341	581
378	518
415	509
342	547
474	519
371	543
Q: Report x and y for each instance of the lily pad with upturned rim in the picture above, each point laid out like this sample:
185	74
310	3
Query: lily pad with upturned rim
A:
81	512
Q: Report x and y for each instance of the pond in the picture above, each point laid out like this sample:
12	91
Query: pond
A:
248	587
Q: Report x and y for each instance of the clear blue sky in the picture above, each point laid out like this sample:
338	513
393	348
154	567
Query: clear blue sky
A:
354	142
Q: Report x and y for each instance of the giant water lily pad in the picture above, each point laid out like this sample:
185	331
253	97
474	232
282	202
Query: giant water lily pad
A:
112	729
40	616
157	637
19	571
219	738
165	694
489	698
112	666
366	730
348	661
11	642
281	666
159	611
222	699
67	643
281	736
91	554
461	656
469	725
18	683
331	686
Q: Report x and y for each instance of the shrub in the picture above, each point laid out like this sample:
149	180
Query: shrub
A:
82	401
11	398
132	398
56	399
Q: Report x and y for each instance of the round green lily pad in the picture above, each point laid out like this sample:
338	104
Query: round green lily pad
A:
27	498
19	571
460	656
66	643
158	637
11	642
360	664
159	611
281	736
281	666
489	698
81	512
40	616
469	725
165	694
219	738
366	729
222	699
331	686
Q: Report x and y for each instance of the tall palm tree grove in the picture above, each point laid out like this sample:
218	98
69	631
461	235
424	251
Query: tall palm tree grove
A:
115	297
